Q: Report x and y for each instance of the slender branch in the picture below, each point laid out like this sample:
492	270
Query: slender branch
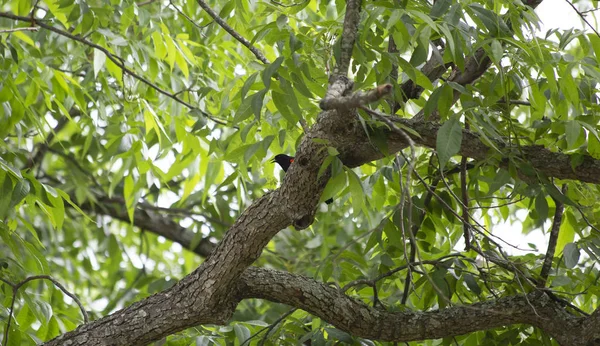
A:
10	311
558	214
373	282
290	5
188	17
114	58
15	288
413	251
269	328
465	200
27	28
233	33
144	3
350	31
406	192
514	102
498	205
274	324
582	16
183	211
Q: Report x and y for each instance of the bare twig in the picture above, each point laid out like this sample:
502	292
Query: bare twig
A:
582	16
371	282
27	28
232	32
413	251
144	3
558	213
269	328
290	5
514	102
188	17
406	192
498	205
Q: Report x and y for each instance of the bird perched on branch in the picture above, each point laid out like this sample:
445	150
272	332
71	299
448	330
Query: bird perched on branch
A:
284	161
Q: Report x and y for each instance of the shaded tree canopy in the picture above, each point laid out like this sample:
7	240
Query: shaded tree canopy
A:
138	203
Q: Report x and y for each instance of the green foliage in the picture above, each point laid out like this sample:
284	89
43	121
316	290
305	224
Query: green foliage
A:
153	109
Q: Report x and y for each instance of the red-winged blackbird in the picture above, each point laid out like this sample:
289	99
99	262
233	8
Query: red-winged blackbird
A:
285	161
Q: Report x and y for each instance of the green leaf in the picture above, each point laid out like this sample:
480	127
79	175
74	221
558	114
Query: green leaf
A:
8	168
335	184
281	102
393	232
448	140
472	284
356	190
244	111
439	8
130	200
415	74
571	255
242	333
99	61
6	191
338	335
432	102
566	234
257	102
541	207
270	71
593	147
492	22
282	21
572	132
248	84
497	51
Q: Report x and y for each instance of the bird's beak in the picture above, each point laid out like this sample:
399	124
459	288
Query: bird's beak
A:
273	161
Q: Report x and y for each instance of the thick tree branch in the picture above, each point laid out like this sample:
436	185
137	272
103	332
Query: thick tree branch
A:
211	293
354	316
150	221
358	151
206	295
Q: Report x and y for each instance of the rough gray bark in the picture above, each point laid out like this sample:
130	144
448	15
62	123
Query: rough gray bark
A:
210	293
359	319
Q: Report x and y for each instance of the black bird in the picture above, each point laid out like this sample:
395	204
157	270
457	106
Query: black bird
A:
285	161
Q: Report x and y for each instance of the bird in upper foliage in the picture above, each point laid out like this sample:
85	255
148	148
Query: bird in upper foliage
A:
284	161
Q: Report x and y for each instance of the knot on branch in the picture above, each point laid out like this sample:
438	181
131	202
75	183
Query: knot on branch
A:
303	222
355	100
